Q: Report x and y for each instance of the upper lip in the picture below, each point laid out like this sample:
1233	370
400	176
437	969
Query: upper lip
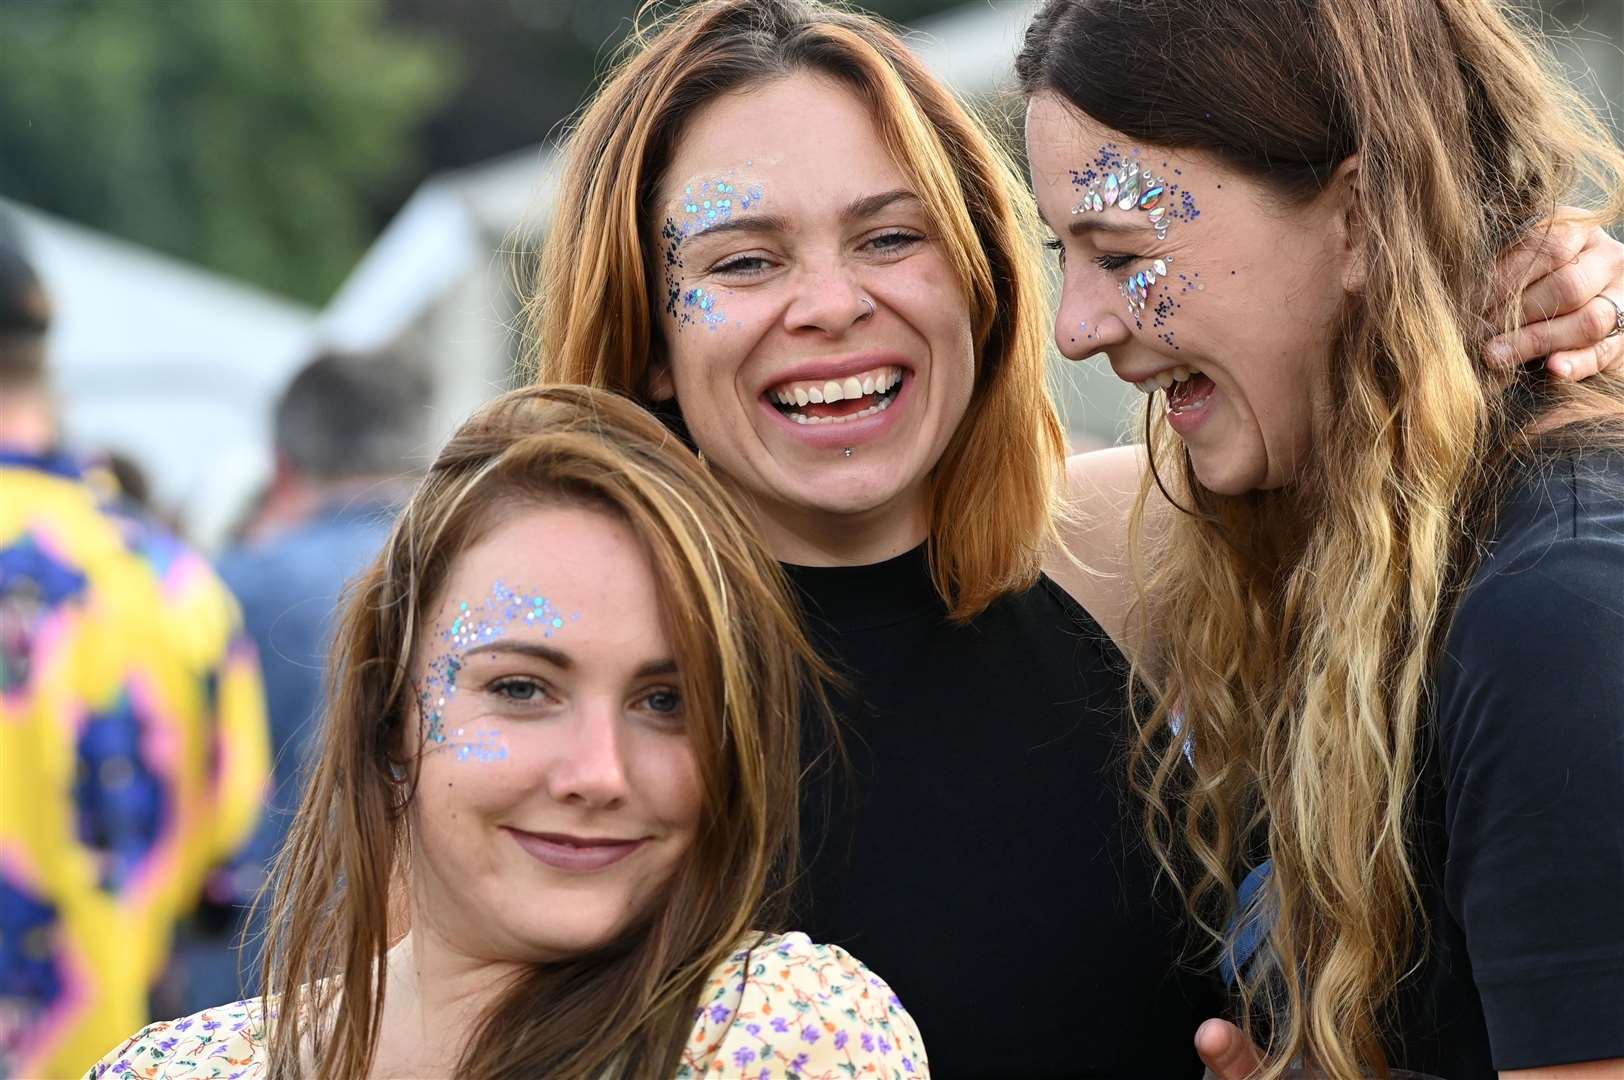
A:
835	367
581	841
1128	375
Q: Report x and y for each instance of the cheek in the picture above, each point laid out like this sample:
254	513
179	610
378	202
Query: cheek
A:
669	781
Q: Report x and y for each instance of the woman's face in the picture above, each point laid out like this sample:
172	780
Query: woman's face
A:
558	787
819	341
1198	286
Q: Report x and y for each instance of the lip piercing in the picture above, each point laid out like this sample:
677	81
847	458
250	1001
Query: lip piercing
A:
869	314
847	451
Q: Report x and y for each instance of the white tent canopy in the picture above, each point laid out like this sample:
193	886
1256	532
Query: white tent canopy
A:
169	364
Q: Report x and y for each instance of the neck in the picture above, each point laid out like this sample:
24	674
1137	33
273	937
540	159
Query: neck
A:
433	1004
26	422
813	536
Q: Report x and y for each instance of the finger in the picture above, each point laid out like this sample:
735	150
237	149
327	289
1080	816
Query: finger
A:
1572	285
1577	364
1555	244
1582	329
1226	1051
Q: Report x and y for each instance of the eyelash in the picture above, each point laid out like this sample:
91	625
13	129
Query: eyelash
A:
1108	263
739	264
501	686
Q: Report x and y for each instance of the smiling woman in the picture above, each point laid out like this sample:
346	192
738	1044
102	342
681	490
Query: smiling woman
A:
554	810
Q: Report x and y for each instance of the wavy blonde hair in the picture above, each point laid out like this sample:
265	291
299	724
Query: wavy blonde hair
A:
1302	625
593	308
747	669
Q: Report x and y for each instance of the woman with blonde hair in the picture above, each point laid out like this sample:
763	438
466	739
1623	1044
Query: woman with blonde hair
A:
1388	704
779	231
553	809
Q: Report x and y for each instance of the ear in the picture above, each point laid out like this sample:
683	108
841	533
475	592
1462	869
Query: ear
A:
1348	228
658	380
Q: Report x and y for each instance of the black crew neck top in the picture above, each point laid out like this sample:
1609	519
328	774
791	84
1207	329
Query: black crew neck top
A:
980	853
1519	811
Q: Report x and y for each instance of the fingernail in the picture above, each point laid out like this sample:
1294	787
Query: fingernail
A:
1499	352
1562	368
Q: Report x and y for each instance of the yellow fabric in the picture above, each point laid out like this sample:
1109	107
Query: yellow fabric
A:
106	620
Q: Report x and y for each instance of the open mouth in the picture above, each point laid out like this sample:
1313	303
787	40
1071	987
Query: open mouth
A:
838	401
1186	387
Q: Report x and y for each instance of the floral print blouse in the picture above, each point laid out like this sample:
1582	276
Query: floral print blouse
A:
780	1009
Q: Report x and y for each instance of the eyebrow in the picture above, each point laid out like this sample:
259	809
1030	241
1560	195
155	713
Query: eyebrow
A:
856	210
1087	224
562	660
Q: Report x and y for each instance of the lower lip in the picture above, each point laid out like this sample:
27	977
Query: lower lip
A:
850	433
1187	420
576	860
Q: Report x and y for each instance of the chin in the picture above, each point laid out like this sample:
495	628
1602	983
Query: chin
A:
1227	477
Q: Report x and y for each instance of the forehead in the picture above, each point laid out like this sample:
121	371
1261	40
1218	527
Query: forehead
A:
580	558
805	136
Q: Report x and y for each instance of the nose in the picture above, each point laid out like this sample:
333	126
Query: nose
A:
589	767
1087	321
828	299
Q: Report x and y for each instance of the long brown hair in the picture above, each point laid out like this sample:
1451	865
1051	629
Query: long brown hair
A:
747	669
1301	625
593	306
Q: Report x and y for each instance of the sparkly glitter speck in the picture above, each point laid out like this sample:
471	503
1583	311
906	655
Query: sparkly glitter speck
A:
475	626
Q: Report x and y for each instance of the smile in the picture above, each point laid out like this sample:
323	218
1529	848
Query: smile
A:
574	854
838	401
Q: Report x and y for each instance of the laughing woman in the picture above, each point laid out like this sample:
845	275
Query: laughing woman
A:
556	794
783	233
1393	707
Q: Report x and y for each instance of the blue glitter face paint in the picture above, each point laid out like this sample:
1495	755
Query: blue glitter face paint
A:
473	625
704	205
1120	181
480	746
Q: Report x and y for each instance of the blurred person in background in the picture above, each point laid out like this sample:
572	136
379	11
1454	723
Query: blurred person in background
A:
133	746
346	430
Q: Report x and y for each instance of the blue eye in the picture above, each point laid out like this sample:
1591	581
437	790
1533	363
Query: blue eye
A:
519	690
742	264
895	241
666	701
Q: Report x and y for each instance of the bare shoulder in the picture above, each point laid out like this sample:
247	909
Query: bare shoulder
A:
1094	560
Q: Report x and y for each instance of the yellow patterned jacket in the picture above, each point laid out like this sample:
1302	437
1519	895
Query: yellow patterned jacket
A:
133	760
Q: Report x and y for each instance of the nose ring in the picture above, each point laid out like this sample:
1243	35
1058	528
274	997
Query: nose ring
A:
869	314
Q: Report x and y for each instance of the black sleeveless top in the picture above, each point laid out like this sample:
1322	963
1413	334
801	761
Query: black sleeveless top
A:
980	854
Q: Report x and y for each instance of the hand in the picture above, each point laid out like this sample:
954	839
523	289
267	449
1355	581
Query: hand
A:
1566	268
1227	1053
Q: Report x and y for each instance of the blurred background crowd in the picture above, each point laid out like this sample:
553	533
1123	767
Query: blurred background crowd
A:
256	259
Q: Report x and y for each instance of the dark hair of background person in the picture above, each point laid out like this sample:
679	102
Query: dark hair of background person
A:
351	414
25	313
1311	616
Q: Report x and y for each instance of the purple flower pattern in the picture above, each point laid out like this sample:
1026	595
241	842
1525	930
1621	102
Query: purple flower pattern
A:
801	1011
194	1048
768	1008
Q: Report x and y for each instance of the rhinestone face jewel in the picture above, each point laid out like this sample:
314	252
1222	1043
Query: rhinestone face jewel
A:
1121	182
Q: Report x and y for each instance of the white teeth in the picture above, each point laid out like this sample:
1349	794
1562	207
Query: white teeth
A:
1181	374
1148	386
881	406
878	381
1164	379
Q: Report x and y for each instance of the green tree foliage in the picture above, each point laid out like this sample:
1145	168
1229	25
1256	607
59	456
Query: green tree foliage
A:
251	136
